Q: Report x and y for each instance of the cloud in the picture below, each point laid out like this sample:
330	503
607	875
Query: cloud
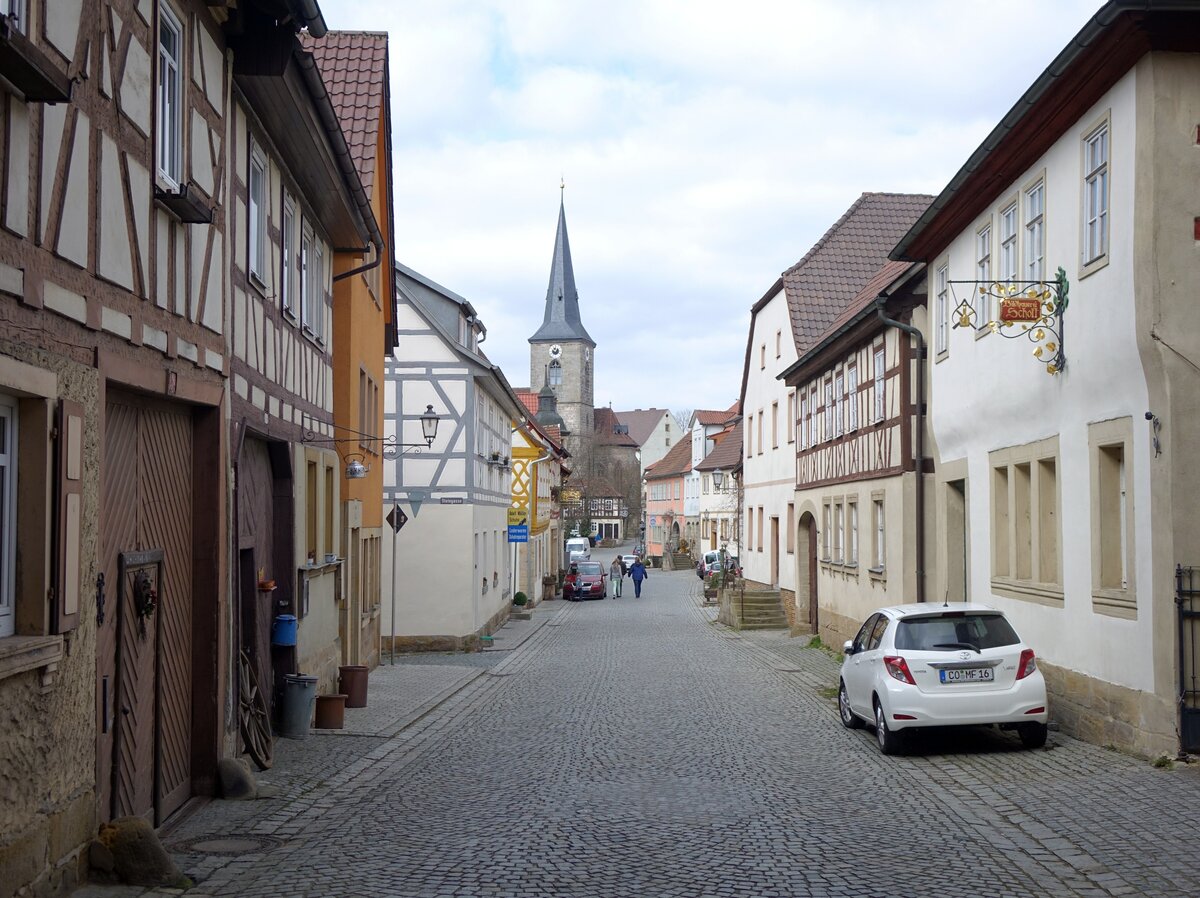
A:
705	148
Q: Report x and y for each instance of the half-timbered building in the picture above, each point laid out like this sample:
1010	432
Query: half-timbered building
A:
1061	262
451	582
296	198
115	244
859	539
785	324
537	478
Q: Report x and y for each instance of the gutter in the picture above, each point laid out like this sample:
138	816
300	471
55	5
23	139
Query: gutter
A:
880	308
1087	35
308	14
333	129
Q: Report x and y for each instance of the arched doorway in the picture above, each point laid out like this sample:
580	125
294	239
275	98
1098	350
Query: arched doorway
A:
806	571
675	536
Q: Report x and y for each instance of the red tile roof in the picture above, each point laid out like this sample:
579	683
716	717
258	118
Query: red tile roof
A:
528	398
354	67
841	263
677	461
866	296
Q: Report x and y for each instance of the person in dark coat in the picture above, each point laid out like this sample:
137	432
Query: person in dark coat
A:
637	571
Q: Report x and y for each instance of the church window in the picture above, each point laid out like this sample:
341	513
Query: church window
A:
555	373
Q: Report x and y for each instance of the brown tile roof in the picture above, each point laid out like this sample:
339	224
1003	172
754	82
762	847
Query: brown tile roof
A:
887	273
713	416
726	453
677	461
604	422
641	422
354	67
840	264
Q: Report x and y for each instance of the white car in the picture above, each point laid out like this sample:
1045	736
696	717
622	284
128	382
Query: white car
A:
933	665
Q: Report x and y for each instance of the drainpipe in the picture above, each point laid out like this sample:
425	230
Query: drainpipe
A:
361	269
880	308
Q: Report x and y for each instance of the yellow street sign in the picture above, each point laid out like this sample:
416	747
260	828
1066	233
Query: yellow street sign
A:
517	516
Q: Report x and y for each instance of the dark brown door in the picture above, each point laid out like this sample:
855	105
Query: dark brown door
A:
144	649
256	541
812	573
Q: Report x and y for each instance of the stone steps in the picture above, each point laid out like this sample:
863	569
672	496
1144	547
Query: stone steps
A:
758	609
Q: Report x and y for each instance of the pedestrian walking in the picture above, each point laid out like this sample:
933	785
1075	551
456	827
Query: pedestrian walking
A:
615	573
638	573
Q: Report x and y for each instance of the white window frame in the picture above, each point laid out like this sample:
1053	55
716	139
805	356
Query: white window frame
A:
319	286
306	247
983	272
169	100
880	382
554	373
852	533
289	279
17	12
8	517
1009	264
828	435
839	404
852	397
804	420
1096	148
256	214
880	535
1035	230
942	306
839	523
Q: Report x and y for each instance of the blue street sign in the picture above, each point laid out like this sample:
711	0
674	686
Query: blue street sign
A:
518	533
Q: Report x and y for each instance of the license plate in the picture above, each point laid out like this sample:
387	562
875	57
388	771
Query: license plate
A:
968	675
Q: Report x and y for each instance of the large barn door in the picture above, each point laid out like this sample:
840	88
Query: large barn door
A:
144	650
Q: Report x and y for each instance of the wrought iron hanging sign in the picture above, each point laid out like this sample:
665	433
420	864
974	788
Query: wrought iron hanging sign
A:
1030	309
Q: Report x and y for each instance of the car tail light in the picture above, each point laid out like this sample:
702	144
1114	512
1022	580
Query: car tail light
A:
897	669
1040	709
1027	664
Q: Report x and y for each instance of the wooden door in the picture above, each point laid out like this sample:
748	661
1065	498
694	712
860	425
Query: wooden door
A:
811	527
256	543
144	649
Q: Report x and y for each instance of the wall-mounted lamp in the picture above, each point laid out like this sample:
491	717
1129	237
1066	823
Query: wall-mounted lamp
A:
390	447
718	477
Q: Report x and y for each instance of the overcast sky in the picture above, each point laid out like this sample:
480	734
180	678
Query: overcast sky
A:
705	147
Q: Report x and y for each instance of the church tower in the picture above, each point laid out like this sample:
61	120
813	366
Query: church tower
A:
562	355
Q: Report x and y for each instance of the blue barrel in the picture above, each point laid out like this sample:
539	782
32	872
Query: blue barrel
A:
283	631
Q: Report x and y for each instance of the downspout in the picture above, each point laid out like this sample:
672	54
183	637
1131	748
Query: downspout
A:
361	269
880	308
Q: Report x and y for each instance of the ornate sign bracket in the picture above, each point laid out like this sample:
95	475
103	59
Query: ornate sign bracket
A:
1030	309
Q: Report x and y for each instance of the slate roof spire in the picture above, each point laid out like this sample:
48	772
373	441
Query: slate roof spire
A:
562	321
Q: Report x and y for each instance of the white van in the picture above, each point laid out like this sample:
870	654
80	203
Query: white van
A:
579	548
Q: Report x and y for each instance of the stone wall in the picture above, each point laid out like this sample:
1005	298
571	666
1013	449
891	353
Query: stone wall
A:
47	739
1107	714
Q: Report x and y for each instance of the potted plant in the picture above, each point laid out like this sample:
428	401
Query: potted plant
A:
520	599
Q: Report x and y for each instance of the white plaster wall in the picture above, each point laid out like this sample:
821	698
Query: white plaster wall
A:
769	478
990	394
659	443
434	594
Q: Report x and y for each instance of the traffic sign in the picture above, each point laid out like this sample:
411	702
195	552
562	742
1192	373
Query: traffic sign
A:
517	517
518	533
397	518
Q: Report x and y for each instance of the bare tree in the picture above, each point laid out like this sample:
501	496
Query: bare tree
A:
683	417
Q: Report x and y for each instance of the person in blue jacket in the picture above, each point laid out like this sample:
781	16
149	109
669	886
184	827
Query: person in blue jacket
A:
638	572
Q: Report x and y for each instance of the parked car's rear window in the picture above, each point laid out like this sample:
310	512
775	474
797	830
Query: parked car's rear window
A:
588	567
950	632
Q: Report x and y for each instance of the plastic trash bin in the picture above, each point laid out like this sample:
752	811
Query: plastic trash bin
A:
299	695
283	630
353	682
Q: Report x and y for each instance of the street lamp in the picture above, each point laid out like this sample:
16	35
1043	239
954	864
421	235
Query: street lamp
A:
429	425
718	478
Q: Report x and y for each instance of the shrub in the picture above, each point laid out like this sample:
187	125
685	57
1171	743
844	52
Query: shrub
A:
520	598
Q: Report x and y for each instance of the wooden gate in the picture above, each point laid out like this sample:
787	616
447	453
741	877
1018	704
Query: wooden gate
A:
144	645
257	558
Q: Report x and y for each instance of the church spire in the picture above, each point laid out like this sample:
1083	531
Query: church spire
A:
562	321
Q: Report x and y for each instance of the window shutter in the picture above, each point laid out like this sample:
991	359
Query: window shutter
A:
68	568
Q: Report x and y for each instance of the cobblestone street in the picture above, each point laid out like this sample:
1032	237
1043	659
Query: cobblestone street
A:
636	748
